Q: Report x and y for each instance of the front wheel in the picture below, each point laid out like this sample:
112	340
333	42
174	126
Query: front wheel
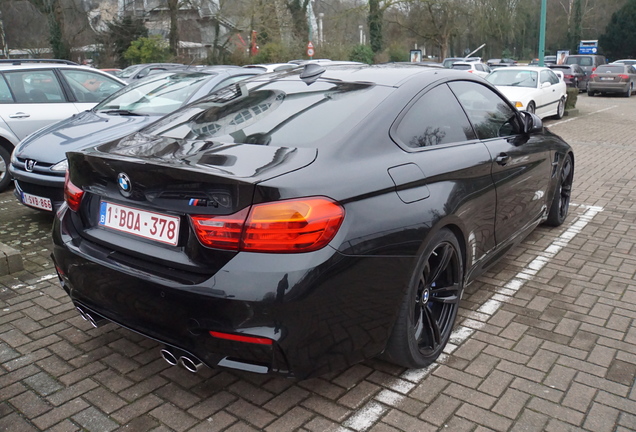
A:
560	109
531	108
5	160
561	200
429	308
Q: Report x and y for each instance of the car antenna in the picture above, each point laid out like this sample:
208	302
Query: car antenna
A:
311	72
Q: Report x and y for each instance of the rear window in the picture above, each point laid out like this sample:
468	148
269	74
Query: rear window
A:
610	69
582	61
460	67
282	113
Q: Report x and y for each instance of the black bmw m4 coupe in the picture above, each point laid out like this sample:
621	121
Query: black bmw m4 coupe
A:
298	222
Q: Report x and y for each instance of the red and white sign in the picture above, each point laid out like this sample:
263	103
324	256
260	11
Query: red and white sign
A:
310	49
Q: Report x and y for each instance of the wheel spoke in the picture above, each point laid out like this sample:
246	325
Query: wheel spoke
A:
447	253
433	327
446	295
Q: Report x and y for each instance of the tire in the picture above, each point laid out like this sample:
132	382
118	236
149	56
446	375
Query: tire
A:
5	161
531	107
589	92
561	200
429	308
629	91
560	109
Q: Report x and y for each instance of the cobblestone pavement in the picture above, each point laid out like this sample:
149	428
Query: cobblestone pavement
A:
546	341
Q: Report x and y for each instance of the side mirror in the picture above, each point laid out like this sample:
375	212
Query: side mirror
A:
546	84
531	123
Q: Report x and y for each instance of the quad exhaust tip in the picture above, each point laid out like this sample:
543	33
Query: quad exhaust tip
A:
190	363
91	317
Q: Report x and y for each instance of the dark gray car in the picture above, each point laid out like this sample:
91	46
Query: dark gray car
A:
38	163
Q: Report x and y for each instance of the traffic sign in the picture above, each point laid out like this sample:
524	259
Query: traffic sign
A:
310	49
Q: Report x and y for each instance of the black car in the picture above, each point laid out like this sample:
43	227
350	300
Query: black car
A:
300	222
573	75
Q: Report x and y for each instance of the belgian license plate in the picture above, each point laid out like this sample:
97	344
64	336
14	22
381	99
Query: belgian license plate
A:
37	201
607	79
150	225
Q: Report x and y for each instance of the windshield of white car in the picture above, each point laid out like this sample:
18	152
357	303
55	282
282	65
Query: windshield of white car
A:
513	78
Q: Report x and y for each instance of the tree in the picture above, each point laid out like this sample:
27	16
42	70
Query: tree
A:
120	35
173	35
147	50
619	39
375	25
54	12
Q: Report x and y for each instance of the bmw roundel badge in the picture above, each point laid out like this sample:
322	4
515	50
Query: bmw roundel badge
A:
125	185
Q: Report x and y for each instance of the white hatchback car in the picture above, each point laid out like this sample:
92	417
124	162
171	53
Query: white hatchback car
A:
35	94
534	89
477	68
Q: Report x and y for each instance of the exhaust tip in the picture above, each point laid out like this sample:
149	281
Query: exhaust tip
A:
191	365
82	313
169	357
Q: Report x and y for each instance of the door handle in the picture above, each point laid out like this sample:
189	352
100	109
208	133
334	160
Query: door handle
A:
502	159
19	115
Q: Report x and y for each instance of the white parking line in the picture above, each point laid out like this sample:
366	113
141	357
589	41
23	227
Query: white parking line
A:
586	115
371	412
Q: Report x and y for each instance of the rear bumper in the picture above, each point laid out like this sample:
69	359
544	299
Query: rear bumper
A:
608	87
322	310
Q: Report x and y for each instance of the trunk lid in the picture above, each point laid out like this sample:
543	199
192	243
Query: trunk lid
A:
170	179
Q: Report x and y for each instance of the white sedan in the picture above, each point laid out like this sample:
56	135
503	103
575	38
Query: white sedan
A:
535	89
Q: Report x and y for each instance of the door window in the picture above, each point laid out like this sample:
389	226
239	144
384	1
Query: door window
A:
436	118
490	115
90	87
5	93
35	86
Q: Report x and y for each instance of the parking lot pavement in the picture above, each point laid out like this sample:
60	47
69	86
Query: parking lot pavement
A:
545	341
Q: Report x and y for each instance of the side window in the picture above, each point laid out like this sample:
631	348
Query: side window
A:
436	118
88	86
36	86
552	77
544	77
5	93
490	115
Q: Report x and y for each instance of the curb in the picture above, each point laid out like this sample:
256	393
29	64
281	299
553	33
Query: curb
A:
10	260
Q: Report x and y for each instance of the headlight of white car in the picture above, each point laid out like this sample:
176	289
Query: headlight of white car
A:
60	166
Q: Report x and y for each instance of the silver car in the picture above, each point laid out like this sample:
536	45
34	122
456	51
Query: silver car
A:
34	95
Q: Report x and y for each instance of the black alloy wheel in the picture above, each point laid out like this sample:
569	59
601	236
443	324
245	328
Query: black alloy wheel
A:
561	200
430	307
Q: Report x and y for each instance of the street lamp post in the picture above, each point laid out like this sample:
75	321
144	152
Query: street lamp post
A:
542	33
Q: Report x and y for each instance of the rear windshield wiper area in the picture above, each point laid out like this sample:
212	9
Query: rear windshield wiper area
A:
122	112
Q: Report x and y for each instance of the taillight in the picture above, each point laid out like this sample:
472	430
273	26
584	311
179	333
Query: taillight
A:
72	194
242	338
470	70
622	76
569	76
298	225
593	76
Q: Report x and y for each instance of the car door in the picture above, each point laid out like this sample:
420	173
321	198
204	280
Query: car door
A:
37	100
550	94
520	165
455	165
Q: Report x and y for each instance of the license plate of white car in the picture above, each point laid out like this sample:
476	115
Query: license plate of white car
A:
150	225
37	201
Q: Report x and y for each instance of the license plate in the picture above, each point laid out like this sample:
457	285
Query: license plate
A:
37	201
150	225
607	79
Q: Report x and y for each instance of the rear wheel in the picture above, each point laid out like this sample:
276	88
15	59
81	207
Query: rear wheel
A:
561	200
630	89
429	309
5	160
